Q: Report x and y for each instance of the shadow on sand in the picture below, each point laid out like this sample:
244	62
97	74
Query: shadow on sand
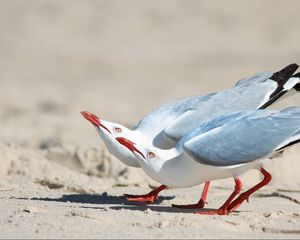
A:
103	198
119	201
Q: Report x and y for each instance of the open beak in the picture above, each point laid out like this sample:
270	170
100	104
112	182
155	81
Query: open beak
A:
94	120
130	145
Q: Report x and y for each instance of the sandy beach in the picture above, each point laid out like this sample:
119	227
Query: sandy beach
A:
120	60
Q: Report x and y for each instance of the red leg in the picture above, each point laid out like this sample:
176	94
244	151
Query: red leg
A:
245	195
223	209
201	202
148	198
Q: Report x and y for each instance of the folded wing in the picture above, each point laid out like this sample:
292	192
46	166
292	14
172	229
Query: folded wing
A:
245	138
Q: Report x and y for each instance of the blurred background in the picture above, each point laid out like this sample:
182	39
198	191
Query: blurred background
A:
122	58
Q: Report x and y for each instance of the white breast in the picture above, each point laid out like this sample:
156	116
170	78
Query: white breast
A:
184	172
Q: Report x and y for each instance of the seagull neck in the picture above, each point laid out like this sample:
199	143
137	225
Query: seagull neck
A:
153	166
169	154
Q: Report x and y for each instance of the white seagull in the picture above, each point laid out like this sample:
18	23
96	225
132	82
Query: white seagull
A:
164	126
224	147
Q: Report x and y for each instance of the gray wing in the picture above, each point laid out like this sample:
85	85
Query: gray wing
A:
179	110
176	119
249	138
240	98
257	91
220	121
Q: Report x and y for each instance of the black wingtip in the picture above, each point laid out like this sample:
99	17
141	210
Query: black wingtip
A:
285	73
281	77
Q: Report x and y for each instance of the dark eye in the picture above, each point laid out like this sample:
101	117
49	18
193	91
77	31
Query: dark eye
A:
151	154
118	130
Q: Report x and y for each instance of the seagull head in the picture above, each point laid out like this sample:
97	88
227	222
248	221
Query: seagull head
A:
113	129
109	131
146	154
149	157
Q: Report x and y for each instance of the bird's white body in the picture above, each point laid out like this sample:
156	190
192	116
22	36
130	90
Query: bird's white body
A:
164	126
227	146
182	171
185	159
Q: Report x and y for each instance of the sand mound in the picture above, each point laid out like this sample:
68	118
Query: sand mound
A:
58	165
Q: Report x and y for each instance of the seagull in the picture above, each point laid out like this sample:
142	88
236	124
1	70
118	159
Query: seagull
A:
226	146
164	126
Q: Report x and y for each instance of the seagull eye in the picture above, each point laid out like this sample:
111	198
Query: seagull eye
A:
118	130
151	154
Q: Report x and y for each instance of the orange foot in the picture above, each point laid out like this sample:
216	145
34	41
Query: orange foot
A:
199	204
146	198
220	211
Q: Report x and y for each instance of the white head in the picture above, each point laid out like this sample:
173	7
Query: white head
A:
149	157
109	131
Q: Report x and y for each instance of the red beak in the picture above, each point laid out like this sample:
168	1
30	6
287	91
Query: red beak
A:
130	145
93	119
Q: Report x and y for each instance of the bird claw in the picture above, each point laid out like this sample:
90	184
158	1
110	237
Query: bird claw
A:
141	198
199	204
213	212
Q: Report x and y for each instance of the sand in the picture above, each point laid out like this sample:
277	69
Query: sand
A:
121	59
